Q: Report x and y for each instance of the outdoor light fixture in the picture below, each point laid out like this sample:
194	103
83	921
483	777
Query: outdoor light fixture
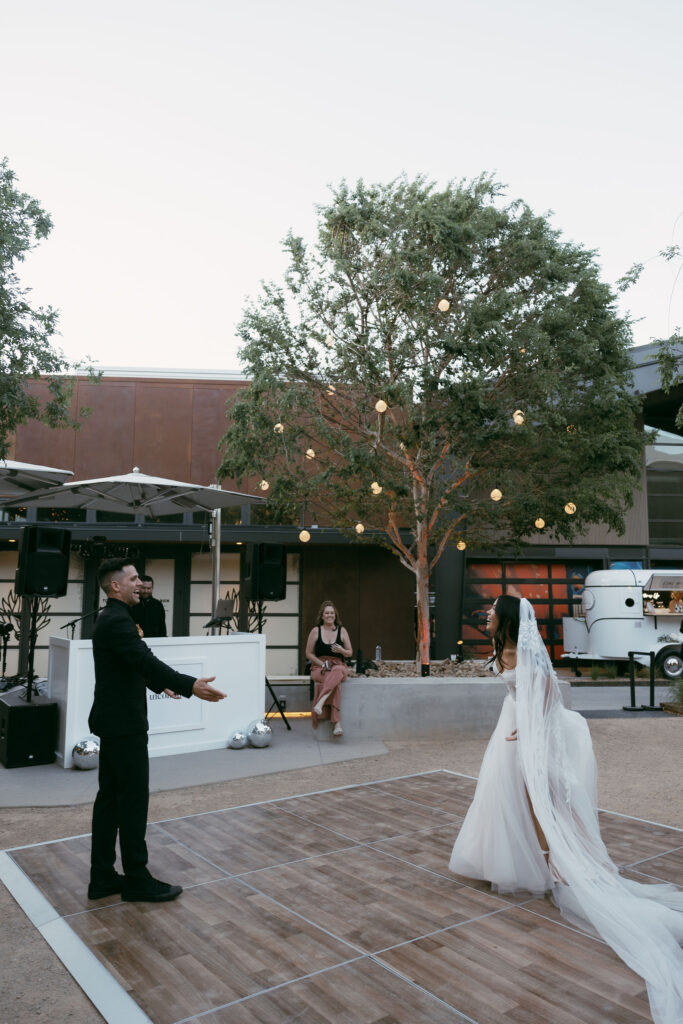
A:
359	528
461	545
304	536
539	523
519	417
375	487
496	494
264	485
570	508
278	428
444	305
310	453
381	406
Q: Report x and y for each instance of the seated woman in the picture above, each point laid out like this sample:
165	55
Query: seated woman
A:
327	645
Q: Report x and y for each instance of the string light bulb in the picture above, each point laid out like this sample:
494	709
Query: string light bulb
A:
496	494
461	545
264	485
570	508
304	536
571	429
375	487
519	417
359	528
329	340
310	453
330	389
381	406
444	305
278	428
522	350
539	523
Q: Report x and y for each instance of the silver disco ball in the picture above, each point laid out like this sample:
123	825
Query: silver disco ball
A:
259	733
237	740
86	753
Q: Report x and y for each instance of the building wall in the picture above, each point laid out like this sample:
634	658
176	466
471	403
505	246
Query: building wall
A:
168	428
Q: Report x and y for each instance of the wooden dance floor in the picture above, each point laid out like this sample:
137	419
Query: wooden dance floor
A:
334	906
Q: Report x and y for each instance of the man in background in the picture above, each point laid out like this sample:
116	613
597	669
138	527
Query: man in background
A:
149	614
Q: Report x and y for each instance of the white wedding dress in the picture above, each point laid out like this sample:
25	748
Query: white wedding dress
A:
553	762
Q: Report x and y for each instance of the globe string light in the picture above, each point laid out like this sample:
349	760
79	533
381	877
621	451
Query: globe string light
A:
496	494
304	536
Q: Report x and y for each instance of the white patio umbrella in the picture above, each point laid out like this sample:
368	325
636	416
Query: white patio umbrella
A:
17	479
140	494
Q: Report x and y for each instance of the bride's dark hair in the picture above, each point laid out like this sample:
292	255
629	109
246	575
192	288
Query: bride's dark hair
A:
507	613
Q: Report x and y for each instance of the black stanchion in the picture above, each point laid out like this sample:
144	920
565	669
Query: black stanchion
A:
632	681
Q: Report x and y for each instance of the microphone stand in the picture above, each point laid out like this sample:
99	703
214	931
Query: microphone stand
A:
72	625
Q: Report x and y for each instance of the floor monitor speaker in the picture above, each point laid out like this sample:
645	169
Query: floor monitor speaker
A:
28	732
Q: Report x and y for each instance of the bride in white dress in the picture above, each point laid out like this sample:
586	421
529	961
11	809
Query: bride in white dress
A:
533	822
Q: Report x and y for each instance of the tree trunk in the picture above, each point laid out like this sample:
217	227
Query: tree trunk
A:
422	600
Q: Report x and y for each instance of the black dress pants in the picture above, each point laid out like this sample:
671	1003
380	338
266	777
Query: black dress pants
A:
121	807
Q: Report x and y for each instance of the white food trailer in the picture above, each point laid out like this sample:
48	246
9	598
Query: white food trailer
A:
626	610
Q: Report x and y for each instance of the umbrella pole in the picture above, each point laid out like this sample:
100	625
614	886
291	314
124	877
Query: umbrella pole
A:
215	564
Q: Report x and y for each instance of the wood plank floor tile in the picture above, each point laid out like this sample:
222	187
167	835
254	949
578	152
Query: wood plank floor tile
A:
364	815
629	840
452	793
358	993
248	838
214	944
61	870
517	967
667	868
371	900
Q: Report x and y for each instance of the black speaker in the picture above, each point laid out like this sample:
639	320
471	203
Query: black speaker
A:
43	568
269	572
28	732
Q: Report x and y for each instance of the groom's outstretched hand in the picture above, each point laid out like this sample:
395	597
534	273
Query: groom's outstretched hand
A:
204	691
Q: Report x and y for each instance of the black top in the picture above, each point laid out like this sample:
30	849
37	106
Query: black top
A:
150	616
323	650
124	667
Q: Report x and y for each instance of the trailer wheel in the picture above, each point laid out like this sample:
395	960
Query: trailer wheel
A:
670	664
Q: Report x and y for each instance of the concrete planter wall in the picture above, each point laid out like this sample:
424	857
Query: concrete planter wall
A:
421	709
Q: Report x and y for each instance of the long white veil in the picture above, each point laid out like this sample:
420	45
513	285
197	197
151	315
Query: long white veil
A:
642	923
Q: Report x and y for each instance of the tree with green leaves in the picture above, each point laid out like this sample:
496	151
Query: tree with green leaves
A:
441	367
26	351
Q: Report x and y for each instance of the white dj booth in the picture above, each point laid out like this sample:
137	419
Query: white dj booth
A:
238	662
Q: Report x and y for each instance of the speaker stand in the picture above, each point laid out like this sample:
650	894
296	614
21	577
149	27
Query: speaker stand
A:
276	703
33	637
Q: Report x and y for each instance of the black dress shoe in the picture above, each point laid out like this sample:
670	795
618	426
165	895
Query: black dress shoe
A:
98	890
149	890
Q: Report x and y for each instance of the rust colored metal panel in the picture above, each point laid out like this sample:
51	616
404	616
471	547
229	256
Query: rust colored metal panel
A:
104	444
374	593
209	423
43	445
163	429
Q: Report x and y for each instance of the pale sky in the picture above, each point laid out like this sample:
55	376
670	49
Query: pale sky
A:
175	143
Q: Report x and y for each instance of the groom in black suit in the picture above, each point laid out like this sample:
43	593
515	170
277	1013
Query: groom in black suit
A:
124	667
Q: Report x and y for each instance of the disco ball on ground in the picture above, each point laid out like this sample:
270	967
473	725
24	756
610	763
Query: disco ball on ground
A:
259	733
86	753
237	740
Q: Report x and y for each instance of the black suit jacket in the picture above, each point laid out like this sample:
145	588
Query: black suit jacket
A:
150	617
124	667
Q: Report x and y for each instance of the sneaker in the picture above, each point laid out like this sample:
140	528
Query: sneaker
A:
149	890
98	890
